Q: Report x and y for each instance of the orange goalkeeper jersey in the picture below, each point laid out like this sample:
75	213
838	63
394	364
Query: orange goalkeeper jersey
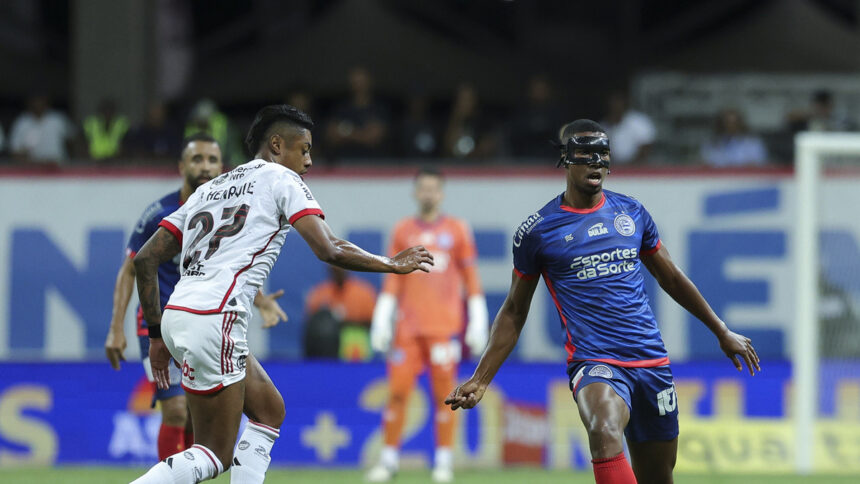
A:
432	304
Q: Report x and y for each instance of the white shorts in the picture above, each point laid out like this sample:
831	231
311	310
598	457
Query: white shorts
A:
212	348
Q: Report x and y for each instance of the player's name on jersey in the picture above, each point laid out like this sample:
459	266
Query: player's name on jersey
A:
231	192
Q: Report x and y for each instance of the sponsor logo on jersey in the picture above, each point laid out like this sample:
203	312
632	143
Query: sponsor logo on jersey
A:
526	228
600	371
243	445
445	240
188	455
306	190
625	225
605	263
221	179
597	229
150	212
568	238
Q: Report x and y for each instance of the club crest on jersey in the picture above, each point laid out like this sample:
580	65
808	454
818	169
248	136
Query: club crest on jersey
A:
600	371
445	241
625	225
597	229
526	227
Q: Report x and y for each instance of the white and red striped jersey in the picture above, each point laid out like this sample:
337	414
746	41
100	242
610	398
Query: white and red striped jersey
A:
232	230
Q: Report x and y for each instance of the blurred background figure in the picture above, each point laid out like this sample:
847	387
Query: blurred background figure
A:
157	138
821	115
358	127
537	121
349	301
41	134
419	132
468	133
104	131
207	119
732	144
632	132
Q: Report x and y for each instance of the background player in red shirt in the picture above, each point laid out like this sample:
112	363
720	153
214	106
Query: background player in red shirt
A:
200	161
428	310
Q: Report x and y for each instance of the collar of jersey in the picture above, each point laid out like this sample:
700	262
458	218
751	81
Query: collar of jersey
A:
583	210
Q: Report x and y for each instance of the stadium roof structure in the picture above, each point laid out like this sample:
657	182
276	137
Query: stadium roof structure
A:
784	36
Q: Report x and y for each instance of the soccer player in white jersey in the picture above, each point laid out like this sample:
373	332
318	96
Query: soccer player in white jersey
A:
230	232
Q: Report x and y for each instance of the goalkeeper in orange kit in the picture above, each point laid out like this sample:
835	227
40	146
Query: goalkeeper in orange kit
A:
424	315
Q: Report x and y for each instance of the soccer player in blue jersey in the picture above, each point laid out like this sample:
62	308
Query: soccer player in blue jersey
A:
590	244
200	162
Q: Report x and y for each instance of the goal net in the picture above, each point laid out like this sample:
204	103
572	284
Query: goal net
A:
826	330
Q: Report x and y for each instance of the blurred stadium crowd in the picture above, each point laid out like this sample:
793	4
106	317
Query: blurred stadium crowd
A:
362	127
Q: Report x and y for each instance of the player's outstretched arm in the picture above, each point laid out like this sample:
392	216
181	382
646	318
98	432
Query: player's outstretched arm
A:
673	280
270	310
115	342
333	250
503	337
161	247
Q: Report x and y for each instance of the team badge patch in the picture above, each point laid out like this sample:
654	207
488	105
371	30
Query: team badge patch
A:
625	225
601	371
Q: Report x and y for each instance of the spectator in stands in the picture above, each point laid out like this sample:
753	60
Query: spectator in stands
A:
419	132
820	116
632	132
359	127
536	124
732	145
41	134
350	301
104	131
468	134
206	118
156	138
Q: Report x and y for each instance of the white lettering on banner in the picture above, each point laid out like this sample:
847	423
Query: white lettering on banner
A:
134	435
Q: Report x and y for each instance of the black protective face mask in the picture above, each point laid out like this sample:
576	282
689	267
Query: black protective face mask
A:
590	144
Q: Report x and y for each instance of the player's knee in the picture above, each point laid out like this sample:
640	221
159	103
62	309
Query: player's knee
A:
605	438
174	412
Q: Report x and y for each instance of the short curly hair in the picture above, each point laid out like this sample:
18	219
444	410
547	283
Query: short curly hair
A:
268	117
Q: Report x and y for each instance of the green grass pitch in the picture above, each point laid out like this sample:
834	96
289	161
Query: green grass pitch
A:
105	475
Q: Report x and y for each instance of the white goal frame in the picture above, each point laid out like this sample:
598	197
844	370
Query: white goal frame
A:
810	148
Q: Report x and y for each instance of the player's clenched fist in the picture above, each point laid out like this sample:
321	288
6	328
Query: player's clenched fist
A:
466	395
411	259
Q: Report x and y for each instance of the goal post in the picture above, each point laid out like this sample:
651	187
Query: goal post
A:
811	151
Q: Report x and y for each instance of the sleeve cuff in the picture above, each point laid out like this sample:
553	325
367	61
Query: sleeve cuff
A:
307	211
525	276
652	251
172	229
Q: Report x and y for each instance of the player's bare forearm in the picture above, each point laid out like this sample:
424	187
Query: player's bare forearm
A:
677	285
506	329
122	293
342	253
503	338
161	247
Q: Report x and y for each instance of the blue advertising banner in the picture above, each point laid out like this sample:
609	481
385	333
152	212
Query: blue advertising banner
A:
72	413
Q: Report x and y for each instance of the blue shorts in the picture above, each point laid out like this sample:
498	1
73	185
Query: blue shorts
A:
174	390
648	392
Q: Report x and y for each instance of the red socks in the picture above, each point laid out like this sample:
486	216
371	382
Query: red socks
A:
614	470
171	440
